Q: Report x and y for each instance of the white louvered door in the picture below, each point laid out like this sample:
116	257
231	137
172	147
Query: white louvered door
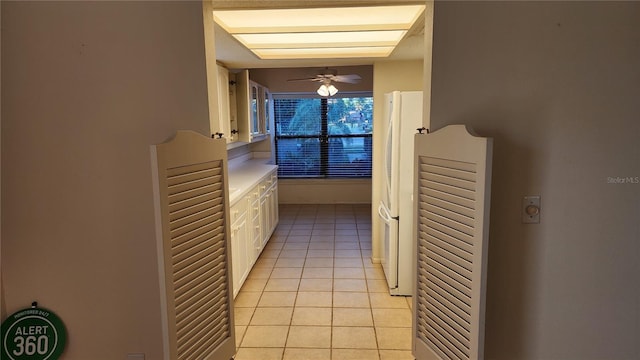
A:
453	191
190	177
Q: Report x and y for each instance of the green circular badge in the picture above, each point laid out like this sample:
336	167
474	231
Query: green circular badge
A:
34	334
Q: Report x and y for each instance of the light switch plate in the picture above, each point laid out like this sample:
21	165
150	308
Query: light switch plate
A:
531	209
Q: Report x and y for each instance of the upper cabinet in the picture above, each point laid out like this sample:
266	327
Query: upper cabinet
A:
254	108
267	108
245	108
227	114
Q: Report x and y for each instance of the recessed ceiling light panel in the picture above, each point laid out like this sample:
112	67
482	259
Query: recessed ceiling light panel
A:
322	39
324	53
320	32
318	19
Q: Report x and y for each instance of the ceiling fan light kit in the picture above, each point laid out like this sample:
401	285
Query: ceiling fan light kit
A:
329	76
325	90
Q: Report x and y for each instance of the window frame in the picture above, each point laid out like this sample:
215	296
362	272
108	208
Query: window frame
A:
324	137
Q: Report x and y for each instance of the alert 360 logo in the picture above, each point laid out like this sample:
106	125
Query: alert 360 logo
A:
34	334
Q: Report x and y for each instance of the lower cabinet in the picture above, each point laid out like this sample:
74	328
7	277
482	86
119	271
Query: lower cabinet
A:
269	206
240	242
253	220
256	231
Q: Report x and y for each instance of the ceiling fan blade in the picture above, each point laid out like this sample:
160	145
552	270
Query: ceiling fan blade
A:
351	78
306	79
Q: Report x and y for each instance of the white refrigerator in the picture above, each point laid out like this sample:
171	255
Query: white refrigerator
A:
403	113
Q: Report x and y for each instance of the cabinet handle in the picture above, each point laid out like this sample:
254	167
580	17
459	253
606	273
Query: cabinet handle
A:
234	131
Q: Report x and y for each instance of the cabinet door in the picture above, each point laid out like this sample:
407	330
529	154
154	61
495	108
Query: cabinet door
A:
243	106
239	254
269	121
247	246
273	208
256	243
234	132
254	105
269	226
267	110
224	109
255	108
264	216
256	232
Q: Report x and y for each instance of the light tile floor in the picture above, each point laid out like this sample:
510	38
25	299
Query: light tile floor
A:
315	295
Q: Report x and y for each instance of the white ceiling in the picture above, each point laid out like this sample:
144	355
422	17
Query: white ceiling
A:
234	55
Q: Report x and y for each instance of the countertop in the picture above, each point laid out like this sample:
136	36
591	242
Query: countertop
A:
243	176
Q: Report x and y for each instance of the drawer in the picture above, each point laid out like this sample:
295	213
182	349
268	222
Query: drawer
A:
237	210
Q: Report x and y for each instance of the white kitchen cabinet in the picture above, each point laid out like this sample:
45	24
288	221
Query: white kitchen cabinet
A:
266	102
227	122
241	243
274	216
254	108
264	214
268	206
256	243
254	217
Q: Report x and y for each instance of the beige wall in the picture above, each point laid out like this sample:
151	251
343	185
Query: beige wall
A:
87	88
387	76
333	191
556	85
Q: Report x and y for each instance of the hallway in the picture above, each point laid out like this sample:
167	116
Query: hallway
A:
315	295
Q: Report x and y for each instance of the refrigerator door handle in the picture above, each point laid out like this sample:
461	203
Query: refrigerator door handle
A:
384	214
392	154
388	153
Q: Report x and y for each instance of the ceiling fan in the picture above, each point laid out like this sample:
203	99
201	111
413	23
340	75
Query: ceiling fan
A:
326	77
331	75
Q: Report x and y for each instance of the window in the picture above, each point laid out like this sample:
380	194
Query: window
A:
323	137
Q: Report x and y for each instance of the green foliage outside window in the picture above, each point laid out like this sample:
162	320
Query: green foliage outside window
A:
345	138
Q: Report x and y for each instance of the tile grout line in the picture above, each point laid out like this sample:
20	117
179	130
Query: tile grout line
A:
359	246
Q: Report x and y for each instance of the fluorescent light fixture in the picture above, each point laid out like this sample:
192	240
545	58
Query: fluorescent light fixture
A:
325	90
317	53
338	32
318	19
321	39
